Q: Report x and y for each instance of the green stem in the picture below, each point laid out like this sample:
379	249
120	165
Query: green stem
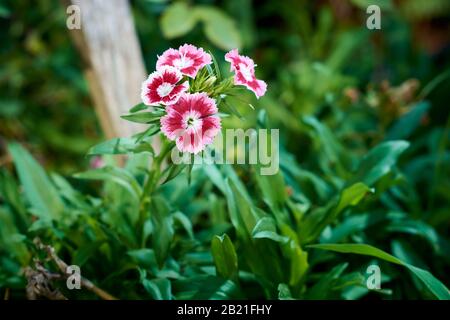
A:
154	175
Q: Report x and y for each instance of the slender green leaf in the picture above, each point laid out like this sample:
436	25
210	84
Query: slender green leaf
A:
405	126
115	174
266	228
145	258
379	161
283	292
433	284
322	288
316	221
224	255
185	222
159	289
121	146
163	232
144	117
139	107
38	188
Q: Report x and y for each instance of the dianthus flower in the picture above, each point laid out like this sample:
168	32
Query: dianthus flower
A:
163	87
192	122
244	70
188	59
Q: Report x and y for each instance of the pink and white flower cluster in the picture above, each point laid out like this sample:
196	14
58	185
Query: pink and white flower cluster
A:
191	118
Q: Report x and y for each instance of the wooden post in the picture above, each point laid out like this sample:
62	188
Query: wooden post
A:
114	67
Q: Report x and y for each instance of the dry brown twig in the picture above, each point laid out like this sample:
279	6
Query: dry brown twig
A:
39	280
40	283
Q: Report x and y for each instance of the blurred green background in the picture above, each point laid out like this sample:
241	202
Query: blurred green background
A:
336	91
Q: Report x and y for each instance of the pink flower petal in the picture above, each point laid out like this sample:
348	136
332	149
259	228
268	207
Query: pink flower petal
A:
244	72
163	87
188	59
192	122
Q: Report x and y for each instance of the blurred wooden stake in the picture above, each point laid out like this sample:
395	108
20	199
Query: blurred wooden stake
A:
7	294
114	67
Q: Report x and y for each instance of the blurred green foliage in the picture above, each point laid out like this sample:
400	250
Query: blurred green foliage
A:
44	99
365	157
